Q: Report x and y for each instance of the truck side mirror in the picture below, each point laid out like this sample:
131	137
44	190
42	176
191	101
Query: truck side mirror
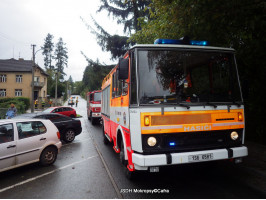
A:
123	67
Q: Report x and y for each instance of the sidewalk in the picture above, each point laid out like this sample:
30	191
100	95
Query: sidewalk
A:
254	166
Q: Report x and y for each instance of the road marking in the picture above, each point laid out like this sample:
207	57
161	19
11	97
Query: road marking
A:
45	174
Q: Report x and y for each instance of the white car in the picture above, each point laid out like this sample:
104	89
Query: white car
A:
25	141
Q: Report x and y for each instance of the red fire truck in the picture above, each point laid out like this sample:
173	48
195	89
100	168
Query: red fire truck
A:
174	102
94	106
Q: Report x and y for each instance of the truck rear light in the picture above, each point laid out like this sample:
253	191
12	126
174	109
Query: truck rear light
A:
58	135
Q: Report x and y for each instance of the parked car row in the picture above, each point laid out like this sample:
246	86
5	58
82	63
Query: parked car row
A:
36	137
68	127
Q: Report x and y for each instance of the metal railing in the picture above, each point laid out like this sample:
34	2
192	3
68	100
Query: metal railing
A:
38	84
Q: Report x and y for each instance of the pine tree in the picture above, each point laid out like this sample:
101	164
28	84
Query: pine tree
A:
126	13
47	50
61	57
71	83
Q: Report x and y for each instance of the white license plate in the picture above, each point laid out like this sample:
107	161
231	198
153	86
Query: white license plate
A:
200	157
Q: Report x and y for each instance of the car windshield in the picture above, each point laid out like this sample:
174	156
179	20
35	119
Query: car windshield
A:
48	110
97	96
174	77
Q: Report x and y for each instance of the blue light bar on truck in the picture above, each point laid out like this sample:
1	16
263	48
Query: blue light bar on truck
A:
172	41
168	41
199	43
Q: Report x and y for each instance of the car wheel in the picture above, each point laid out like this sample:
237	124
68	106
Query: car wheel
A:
48	156
69	135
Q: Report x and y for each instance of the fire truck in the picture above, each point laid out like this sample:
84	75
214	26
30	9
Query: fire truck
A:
174	102
94	106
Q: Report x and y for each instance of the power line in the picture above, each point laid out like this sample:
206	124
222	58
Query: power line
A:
13	40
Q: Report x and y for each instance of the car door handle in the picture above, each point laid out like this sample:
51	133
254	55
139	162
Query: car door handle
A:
11	146
43	139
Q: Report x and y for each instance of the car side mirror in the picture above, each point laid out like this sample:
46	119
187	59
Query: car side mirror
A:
123	68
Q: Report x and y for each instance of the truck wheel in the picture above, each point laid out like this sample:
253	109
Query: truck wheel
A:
89	117
93	121
131	175
122	154
105	140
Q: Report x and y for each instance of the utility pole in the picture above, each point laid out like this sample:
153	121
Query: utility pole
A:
32	81
56	77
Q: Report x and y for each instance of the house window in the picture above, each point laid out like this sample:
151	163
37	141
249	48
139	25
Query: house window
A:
19	78
2	78
2	92
18	92
36	79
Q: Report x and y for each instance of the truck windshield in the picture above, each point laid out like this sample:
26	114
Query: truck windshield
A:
97	96
174	77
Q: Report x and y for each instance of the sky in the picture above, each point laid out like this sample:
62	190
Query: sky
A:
27	22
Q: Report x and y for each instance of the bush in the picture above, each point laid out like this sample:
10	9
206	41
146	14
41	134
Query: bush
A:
21	103
25	100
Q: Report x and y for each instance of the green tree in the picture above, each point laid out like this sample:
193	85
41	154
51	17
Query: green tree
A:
47	51
50	81
237	24
70	83
61	58
126	13
94	74
61	88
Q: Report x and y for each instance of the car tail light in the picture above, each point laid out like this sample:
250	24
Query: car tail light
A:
58	135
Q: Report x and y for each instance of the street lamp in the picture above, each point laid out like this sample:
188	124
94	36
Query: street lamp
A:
32	74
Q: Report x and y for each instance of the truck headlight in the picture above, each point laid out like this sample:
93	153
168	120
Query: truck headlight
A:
151	141
234	135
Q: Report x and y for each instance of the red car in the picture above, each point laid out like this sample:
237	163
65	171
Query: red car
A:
63	110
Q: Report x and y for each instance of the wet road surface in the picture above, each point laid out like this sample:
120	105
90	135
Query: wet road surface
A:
89	169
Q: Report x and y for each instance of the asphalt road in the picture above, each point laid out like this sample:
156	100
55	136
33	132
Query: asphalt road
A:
88	169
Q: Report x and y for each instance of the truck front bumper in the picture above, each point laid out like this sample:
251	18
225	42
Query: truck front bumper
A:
142	162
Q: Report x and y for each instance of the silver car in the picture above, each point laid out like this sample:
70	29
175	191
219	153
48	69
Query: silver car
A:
25	141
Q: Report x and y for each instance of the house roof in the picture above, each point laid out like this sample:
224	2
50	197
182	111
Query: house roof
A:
13	65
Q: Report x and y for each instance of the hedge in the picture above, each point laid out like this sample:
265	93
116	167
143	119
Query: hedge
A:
22	103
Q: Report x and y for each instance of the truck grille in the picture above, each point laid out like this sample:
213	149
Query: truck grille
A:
192	141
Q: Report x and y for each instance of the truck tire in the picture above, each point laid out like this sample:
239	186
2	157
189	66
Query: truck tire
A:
105	140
